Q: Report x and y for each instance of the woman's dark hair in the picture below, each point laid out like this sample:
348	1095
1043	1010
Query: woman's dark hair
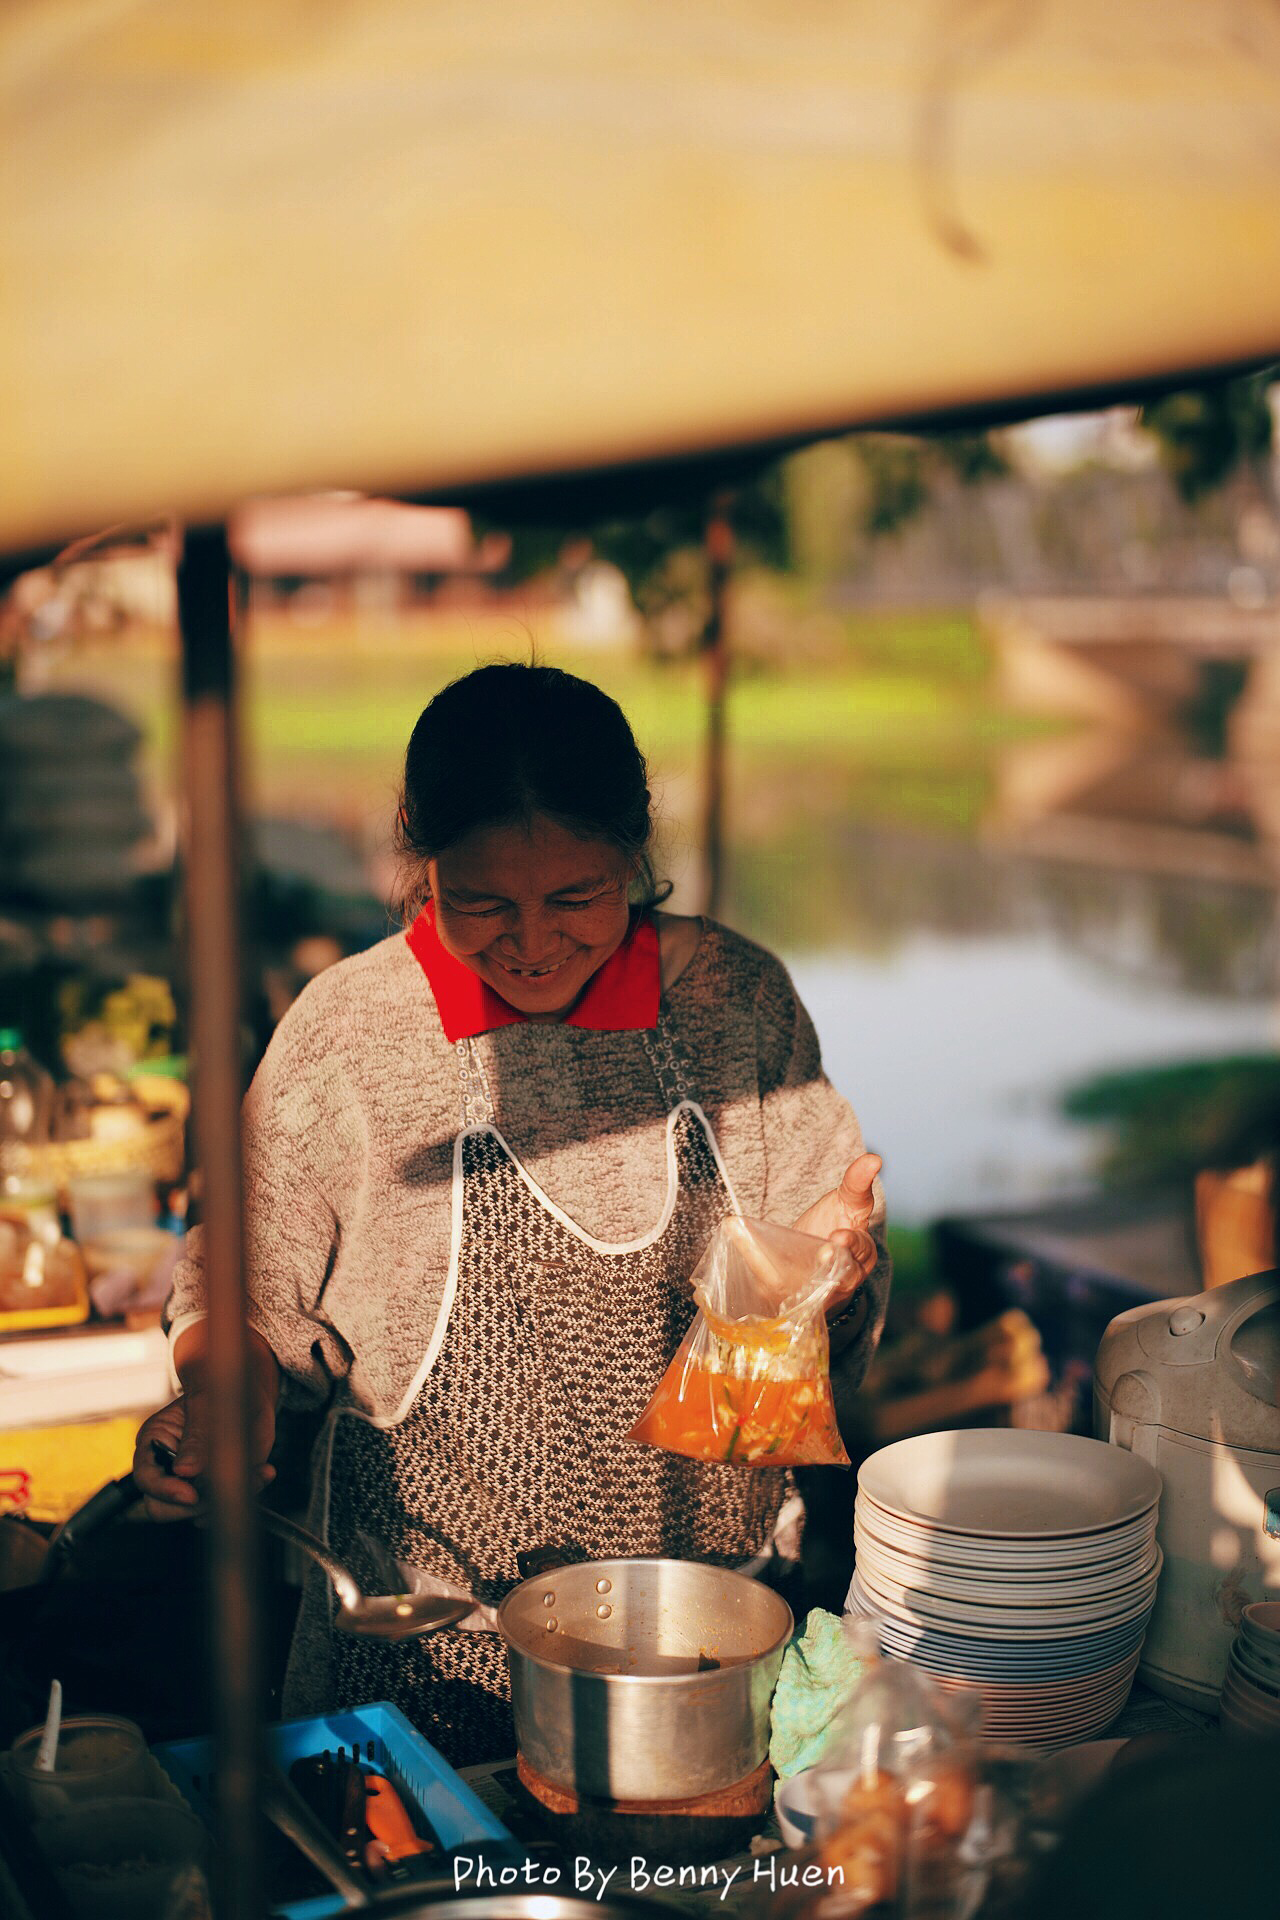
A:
509	741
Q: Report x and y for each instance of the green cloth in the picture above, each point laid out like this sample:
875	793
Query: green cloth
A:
819	1671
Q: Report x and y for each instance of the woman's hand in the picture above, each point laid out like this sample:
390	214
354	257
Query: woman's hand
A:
843	1216
183	1428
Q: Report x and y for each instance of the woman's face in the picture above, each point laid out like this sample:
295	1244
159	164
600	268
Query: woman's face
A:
534	910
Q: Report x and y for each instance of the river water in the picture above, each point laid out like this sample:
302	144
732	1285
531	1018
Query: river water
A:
961	988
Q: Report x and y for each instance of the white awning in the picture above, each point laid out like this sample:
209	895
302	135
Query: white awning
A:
405	245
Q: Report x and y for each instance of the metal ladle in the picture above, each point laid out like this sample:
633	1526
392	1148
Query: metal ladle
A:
381	1616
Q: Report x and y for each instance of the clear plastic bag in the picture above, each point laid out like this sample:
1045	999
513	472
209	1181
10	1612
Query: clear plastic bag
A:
751	1382
895	1794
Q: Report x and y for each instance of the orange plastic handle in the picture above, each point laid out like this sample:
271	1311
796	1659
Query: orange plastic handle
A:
389	1822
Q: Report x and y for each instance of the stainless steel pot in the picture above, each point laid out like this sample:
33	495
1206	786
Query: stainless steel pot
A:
643	1679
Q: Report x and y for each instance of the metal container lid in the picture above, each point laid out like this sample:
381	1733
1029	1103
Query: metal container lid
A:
1206	1365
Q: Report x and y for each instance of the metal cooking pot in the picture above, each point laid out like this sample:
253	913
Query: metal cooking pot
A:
643	1679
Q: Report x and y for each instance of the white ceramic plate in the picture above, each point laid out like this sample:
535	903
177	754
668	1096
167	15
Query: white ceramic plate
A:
1002	1692
1261	1621
1005	1675
1245	1668
923	1568
1004	1627
900	1578
1008	1673
1009	1626
1261	1649
1018	1694
970	1549
1050	1734
973	1623
973	1561
1010	1483
1052	1725
1066	1712
1246	1694
1014	1659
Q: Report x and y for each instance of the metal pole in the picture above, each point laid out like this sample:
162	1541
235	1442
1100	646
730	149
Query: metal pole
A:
715	650
205	614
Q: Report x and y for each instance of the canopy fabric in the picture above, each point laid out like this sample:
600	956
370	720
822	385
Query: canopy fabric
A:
409	245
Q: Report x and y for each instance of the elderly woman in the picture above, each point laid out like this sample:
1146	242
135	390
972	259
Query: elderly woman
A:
482	1161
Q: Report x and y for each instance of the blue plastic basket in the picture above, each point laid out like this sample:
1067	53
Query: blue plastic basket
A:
378	1735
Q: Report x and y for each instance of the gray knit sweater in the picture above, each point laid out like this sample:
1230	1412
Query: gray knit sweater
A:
348	1141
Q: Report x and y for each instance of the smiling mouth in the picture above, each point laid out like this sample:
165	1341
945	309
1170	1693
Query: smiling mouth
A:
533	973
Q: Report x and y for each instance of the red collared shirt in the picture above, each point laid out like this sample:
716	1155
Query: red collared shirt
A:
622	994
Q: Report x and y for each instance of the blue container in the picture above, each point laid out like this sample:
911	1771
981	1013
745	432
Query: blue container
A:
384	1741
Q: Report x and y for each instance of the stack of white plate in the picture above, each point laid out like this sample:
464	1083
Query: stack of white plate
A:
1251	1691
1018	1566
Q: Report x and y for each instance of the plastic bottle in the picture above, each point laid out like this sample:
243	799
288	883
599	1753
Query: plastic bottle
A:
26	1094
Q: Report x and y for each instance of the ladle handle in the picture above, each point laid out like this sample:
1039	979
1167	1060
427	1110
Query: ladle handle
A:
286	1809
344	1582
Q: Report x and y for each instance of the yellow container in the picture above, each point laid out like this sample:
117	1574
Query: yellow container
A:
47	1472
57	1294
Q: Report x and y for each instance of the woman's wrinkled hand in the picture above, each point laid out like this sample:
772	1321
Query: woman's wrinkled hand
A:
843	1216
183	1428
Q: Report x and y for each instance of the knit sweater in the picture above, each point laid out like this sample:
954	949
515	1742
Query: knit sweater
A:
348	1151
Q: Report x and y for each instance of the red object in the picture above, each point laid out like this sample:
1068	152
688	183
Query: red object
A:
623	995
15	1487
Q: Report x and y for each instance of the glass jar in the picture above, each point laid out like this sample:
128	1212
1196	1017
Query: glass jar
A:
99	1756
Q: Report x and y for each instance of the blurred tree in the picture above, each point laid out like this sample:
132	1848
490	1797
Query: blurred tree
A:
807	513
1206	434
661	553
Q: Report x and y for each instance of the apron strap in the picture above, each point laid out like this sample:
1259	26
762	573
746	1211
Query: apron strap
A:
473	1081
670	1070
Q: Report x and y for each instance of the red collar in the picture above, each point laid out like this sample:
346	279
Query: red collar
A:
623	994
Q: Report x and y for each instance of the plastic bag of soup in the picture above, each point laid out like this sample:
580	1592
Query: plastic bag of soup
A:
751	1382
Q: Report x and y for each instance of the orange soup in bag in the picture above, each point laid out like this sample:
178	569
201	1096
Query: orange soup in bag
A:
745	1389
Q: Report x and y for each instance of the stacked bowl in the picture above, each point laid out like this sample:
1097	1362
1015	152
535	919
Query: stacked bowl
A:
1251	1691
1020	1567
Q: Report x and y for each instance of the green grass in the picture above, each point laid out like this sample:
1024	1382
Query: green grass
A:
782	715
895	714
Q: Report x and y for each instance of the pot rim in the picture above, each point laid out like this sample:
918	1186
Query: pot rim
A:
643	1679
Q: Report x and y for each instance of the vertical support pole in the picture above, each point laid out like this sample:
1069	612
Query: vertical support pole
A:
715	652
205	610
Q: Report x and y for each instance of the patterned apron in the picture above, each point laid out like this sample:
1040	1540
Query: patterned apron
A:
515	1438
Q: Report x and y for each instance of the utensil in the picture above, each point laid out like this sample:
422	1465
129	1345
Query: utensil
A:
333	1788
419	1879
47	1752
388	1822
382	1616
379	1616
287	1810
643	1679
